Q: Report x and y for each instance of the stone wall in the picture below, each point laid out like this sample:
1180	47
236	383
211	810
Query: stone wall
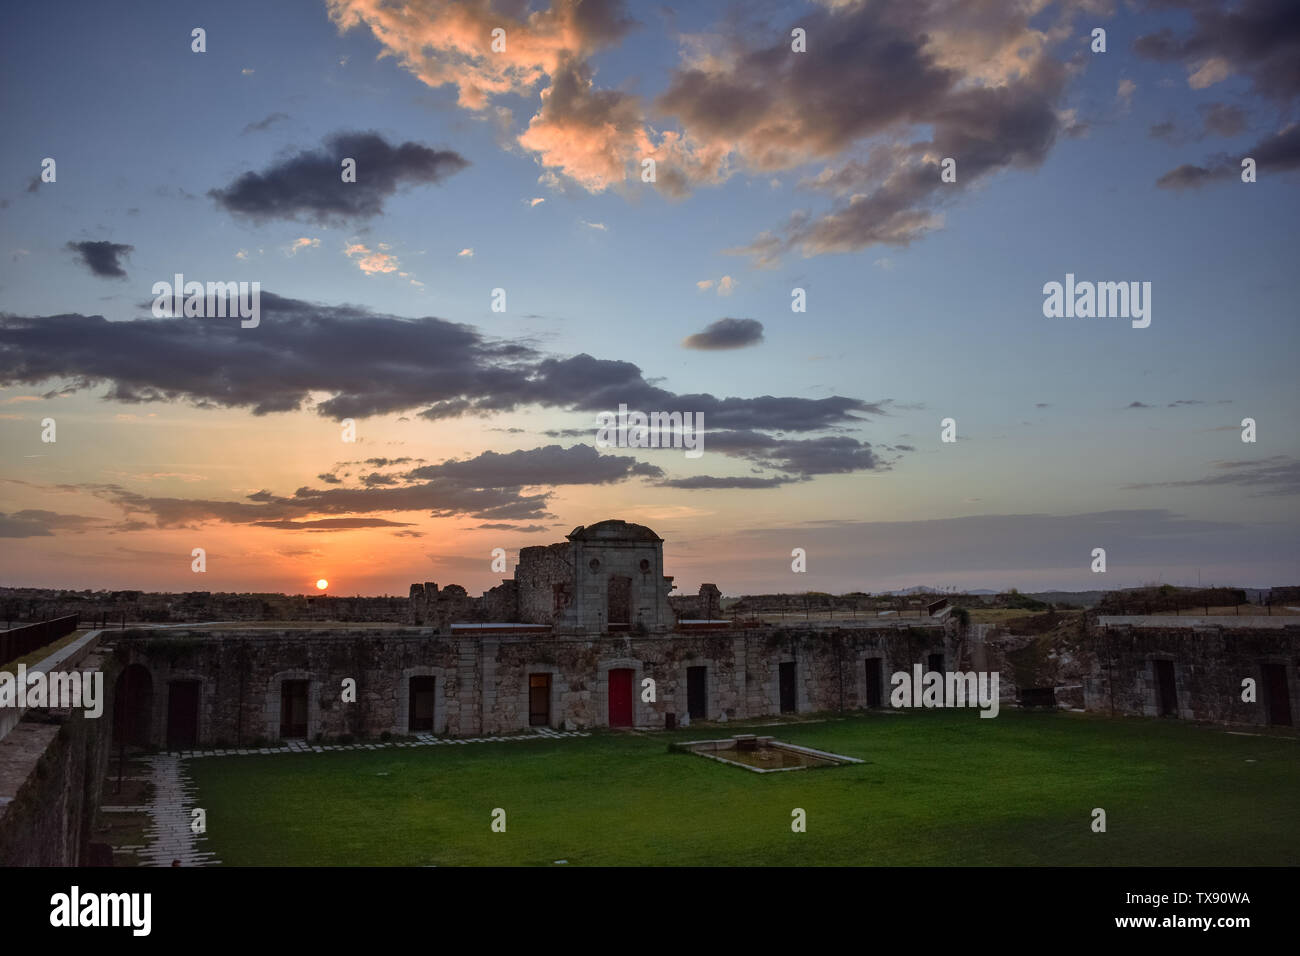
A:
1111	669
481	681
52	765
543	572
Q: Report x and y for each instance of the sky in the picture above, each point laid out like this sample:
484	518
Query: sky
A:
795	146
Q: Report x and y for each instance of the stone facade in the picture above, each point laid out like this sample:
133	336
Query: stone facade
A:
606	576
481	681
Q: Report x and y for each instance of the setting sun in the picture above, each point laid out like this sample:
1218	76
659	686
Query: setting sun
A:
322	584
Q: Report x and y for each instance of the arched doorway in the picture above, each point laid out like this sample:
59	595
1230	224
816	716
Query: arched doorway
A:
133	706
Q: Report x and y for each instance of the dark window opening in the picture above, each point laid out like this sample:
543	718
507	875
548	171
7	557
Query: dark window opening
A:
420	706
789	701
293	708
697	695
874	681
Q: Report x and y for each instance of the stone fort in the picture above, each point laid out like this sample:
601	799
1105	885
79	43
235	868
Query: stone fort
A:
587	635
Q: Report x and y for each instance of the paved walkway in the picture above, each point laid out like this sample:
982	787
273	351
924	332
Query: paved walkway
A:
421	740
169	835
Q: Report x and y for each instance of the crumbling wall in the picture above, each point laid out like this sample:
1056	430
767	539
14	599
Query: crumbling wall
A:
544	582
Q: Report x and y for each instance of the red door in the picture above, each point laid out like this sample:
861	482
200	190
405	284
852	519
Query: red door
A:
620	697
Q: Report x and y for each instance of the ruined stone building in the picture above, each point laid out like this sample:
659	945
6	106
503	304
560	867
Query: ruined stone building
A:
584	635
608	576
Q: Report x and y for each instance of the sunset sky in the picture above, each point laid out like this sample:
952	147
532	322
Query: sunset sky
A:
775	170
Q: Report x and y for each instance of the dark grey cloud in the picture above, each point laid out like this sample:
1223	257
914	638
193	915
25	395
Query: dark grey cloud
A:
548	465
726	334
1259	39
266	123
368	363
488	486
1270	477
309	185
517	528
1138	405
1279	152
102	258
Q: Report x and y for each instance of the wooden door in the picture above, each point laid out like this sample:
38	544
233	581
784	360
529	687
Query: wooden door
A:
620	697
539	700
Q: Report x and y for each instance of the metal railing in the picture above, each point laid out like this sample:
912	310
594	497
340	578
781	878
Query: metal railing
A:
21	641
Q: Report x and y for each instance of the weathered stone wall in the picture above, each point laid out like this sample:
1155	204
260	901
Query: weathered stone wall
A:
1209	665
1110	669
481	680
540	572
52	765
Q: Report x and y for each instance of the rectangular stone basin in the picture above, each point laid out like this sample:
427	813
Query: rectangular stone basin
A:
764	754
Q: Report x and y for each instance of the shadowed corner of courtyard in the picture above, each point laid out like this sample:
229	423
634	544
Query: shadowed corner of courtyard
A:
937	788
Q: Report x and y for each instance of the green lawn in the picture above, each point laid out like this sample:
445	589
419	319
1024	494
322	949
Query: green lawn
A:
939	788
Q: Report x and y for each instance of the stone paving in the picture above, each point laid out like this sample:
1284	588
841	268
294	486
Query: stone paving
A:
421	740
169	835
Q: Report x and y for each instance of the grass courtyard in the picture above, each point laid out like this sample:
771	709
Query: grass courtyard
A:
938	788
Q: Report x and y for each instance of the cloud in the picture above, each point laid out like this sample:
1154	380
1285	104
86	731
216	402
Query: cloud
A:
726	334
517	528
1124	93
1279	475
366	364
466	253
836	454
1258	39
535	201
1000	550
370	261
40	524
1279	152
1138	405
101	258
488	486
331	524
973	76
1223	119
265	123
711	483
600	226
309	185
725	286
303	242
